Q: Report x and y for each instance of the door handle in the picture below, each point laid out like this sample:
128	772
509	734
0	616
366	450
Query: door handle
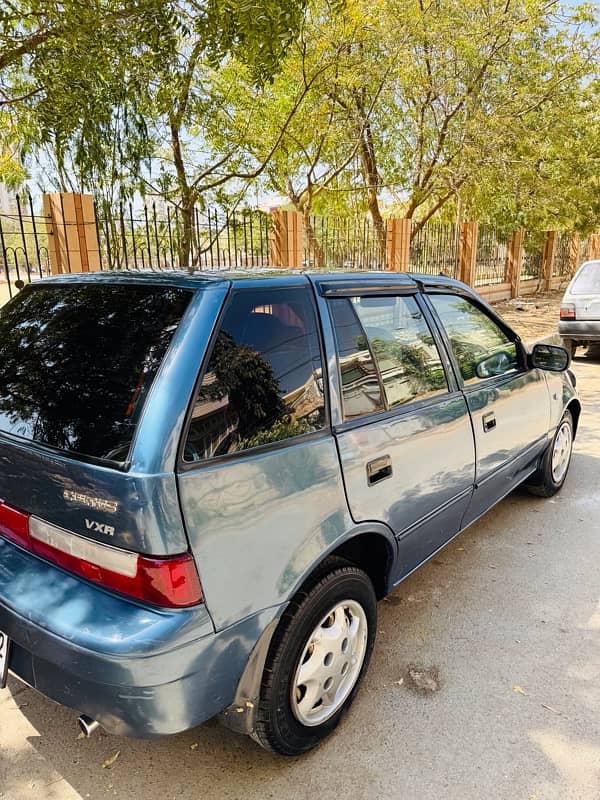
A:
489	421
379	469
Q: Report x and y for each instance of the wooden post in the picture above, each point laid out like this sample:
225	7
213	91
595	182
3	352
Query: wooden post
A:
574	247
467	252
72	238
514	261
397	251
287	238
594	247
550	241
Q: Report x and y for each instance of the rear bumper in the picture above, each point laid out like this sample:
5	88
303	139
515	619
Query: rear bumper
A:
588	331
137	671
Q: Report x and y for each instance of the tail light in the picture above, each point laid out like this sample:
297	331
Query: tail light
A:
568	311
171	582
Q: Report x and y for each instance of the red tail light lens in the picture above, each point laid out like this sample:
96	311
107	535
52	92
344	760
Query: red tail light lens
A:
14	525
171	582
568	311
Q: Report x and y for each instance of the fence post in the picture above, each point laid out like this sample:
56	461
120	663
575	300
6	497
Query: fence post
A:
574	247
594	247
287	236
397	250
550	240
72	236
514	261
467	252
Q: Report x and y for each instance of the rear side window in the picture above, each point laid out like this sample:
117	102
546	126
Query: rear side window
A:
263	382
587	281
77	361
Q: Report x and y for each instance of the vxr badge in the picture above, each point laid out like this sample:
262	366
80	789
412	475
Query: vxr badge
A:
99	527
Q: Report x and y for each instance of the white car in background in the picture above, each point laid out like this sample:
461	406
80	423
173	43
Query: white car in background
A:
579	323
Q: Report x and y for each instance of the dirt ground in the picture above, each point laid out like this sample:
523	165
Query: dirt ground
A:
533	317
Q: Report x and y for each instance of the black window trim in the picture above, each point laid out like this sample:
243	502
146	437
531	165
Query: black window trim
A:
494	380
453	390
186	466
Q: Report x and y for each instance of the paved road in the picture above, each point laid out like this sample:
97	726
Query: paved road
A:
513	602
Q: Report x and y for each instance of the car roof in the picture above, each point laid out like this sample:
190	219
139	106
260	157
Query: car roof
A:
381	280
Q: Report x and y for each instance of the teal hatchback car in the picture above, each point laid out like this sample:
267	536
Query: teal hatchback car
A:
207	482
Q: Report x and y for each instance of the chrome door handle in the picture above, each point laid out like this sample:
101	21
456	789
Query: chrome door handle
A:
489	421
379	469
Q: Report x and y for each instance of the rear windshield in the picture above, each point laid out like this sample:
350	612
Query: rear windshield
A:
588	279
76	362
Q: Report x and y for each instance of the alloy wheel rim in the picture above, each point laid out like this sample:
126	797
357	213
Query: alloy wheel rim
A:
561	452
330	664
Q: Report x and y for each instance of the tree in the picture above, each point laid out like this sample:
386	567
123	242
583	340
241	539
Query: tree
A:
99	83
474	81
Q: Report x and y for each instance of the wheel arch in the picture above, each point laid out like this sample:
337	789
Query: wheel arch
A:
370	546
574	406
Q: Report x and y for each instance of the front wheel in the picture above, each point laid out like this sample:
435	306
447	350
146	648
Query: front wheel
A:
318	657
555	464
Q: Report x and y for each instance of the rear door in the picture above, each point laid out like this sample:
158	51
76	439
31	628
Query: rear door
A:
259	477
404	434
509	403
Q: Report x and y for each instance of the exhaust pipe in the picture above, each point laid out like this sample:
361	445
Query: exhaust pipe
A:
87	725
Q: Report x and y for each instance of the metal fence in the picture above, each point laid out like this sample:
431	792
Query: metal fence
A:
153	236
533	254
434	249
343	242
23	243
491	257
147	238
561	264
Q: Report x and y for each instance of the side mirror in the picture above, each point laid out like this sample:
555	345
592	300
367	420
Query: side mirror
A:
549	357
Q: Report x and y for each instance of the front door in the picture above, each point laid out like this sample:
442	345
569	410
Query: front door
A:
509	403
405	440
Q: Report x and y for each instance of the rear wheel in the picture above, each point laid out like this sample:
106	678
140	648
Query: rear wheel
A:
570	346
555	463
318	657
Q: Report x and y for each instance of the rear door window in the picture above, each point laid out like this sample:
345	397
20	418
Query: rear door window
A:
77	361
263	382
403	347
387	355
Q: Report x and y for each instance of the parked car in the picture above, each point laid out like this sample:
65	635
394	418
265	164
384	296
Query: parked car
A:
208	481
579	323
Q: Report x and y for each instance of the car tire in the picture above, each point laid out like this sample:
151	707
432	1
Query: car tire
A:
318	657
556	460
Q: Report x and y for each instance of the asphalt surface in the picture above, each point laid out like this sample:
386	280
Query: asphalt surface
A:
507	620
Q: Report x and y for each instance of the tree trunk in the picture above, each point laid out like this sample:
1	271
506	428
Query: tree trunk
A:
314	247
187	259
368	162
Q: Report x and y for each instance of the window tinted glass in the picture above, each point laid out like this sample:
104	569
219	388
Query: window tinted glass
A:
361	390
403	346
588	280
263	382
76	362
481	348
